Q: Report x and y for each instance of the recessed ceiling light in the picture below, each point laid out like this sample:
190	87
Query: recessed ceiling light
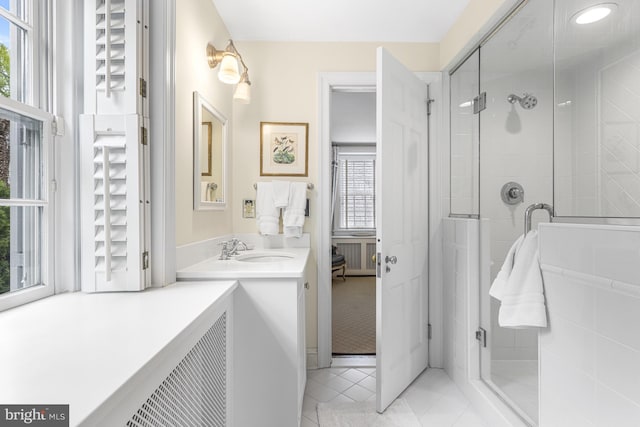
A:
594	13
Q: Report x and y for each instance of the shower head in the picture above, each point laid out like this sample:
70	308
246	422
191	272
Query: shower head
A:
527	101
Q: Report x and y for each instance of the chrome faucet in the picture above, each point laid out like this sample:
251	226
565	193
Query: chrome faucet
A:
231	248
236	245
224	253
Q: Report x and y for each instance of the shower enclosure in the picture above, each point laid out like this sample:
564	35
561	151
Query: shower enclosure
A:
544	111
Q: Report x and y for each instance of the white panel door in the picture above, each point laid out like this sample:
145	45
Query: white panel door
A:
402	224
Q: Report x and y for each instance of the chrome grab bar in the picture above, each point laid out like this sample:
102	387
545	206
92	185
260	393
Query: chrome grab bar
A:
529	212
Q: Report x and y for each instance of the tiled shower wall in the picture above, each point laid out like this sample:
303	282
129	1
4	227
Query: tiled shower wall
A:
589	371
460	276
597	138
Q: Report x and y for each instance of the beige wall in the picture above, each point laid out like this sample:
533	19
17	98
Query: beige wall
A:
468	28
197	23
284	88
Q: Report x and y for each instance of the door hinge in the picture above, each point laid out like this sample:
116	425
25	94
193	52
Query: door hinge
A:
57	126
481	335
145	260
479	103
429	331
144	137
143	87
429	103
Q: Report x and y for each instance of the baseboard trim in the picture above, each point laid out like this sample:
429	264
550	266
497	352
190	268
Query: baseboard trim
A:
312	358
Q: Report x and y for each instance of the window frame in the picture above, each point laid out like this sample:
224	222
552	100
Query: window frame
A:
36	105
363	151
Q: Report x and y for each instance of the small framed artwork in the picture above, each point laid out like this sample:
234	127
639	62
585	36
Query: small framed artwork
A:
284	149
248	208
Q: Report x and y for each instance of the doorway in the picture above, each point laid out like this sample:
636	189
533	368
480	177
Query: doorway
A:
362	81
352	213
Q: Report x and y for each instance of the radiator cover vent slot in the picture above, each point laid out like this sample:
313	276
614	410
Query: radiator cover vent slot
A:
352	253
195	392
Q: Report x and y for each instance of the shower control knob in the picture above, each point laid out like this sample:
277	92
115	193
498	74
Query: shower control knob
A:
512	193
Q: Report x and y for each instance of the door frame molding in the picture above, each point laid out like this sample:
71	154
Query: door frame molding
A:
363	81
326	83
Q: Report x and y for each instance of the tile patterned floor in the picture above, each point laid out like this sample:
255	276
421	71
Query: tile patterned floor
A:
433	397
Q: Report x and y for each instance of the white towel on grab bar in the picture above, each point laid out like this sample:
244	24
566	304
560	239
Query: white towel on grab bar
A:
497	287
522	302
293	218
267	215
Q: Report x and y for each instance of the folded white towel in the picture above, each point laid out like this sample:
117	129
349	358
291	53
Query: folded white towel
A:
267	215
293	218
497	287
522	303
281	193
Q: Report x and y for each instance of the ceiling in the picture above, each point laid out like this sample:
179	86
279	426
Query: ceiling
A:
339	20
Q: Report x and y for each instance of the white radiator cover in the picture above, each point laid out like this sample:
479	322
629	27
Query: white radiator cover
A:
195	392
358	254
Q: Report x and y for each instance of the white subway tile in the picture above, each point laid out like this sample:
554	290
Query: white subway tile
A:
610	252
573	299
615	410
617	316
563	385
569	341
618	368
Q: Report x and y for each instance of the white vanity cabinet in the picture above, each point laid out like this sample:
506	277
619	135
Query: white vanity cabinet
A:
269	351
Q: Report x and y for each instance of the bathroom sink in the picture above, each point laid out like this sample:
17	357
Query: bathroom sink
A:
265	257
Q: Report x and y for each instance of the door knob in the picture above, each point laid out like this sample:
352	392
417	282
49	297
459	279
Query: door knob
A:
390	259
373	258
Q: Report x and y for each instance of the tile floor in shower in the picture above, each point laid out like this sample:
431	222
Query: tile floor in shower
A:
433	397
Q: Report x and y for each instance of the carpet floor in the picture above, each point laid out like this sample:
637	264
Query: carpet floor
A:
354	315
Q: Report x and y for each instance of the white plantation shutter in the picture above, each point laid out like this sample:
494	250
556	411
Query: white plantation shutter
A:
114	148
356	192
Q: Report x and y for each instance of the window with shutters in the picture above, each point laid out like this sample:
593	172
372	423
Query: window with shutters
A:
114	147
355	192
26	153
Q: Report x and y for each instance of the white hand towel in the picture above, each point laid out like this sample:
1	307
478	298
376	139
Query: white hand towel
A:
293	218
267	215
497	287
281	193
522	304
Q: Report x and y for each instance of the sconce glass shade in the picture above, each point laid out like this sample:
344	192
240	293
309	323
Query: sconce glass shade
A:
243	92
229	72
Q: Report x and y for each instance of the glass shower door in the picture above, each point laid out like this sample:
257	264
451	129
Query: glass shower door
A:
465	139
516	146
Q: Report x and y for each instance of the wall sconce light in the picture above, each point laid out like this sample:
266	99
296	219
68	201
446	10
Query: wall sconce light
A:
229	71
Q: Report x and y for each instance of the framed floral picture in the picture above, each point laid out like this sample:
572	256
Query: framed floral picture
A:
284	149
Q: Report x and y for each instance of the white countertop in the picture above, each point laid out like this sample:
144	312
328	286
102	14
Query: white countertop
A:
78	349
213	268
